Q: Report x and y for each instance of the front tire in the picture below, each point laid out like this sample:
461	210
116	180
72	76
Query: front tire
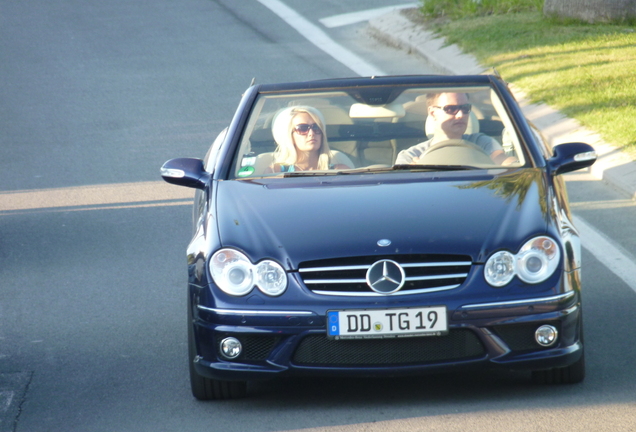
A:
204	388
573	374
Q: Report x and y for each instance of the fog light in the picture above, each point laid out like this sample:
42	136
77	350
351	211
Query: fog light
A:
231	348
546	335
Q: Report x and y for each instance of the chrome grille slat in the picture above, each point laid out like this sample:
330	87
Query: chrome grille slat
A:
366	267
315	269
414	278
333	281
437	264
422	274
450	276
374	294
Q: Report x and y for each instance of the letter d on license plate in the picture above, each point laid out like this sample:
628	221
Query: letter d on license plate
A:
374	323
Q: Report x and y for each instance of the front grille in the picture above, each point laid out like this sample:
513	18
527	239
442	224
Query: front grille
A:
318	350
255	347
520	337
347	276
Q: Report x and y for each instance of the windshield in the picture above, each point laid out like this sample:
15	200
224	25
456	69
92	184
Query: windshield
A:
343	132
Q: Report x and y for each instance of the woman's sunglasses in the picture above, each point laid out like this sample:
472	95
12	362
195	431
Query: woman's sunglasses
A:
454	109
303	128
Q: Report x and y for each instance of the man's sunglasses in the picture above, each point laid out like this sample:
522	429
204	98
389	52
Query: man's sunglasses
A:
303	128
454	109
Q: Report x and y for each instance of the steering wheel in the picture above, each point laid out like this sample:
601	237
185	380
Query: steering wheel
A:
455	152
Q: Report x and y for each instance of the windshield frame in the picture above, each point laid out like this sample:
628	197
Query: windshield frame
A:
252	116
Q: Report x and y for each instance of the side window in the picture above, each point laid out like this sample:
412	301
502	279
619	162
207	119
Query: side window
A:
210	157
509	139
542	141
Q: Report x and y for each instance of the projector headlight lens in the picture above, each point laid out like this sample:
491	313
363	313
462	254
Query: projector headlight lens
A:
535	262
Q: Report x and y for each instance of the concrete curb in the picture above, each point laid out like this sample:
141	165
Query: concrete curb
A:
612	166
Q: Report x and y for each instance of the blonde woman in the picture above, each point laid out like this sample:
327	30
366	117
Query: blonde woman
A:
302	143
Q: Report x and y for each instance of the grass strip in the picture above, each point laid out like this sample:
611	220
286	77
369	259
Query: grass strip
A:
587	71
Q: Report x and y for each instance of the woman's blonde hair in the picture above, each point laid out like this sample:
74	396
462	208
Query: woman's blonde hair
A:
282	129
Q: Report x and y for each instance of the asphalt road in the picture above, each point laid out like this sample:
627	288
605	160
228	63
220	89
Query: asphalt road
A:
94	97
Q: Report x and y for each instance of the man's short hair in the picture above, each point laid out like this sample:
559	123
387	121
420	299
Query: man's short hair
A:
431	98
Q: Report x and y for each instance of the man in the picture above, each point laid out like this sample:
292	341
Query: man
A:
450	113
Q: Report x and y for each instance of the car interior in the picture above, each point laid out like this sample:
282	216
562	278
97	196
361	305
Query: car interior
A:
367	135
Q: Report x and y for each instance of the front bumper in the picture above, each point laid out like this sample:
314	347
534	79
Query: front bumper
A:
492	335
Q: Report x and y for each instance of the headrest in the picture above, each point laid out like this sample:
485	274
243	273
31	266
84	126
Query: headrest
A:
280	124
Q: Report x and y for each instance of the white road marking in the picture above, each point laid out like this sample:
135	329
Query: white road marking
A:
365	15
607	253
119	195
319	38
603	204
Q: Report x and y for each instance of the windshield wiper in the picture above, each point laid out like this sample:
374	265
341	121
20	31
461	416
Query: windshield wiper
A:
408	167
310	173
365	170
411	167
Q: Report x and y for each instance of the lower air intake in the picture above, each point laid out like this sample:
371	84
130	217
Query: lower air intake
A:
318	350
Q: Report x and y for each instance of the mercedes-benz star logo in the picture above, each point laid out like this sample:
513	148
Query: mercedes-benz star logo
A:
385	277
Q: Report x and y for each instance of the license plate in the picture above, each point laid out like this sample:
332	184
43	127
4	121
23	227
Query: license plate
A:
386	323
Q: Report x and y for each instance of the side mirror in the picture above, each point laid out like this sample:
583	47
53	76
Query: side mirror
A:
571	157
187	172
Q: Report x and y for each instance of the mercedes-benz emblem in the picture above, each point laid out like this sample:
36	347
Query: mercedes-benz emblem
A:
385	277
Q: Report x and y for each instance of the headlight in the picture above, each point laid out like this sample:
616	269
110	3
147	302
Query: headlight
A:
534	263
271	279
500	269
537	260
235	274
232	272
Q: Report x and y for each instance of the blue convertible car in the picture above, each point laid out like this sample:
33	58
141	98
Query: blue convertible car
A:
381	226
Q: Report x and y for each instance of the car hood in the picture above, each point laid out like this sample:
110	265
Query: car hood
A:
462	213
